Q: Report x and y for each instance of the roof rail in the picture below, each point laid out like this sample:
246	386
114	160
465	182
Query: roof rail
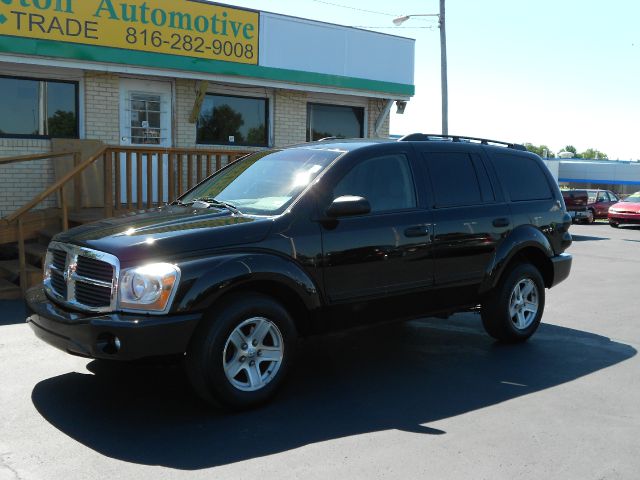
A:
431	137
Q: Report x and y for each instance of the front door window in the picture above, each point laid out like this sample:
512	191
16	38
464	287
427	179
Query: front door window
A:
145	119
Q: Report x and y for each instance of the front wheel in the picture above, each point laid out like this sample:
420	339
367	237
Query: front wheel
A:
240	355
591	216
614	224
512	311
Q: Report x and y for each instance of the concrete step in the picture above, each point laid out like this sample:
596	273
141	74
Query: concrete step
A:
9	291
11	271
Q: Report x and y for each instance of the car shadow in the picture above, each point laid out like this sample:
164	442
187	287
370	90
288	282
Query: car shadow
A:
397	376
12	312
587	238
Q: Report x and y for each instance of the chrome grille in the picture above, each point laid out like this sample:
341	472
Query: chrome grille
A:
81	277
58	283
91	268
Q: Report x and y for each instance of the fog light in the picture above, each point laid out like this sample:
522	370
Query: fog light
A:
108	343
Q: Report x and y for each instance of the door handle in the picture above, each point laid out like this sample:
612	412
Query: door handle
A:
417	231
501	222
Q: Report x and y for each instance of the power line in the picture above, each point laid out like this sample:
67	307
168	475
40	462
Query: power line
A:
356	9
433	27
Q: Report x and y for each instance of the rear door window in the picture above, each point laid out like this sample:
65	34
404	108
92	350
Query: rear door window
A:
456	180
522	177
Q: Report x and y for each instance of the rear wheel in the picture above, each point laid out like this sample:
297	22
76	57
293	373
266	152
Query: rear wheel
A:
240	355
513	310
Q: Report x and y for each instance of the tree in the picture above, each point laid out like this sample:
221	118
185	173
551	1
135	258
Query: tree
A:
62	124
593	153
220	124
257	135
539	150
570	148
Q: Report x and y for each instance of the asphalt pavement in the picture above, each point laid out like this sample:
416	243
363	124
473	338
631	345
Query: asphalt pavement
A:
430	398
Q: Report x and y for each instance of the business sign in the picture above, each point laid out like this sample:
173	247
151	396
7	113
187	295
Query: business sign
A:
187	28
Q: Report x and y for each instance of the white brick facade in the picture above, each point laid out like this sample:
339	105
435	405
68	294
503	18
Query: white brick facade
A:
20	182
102	107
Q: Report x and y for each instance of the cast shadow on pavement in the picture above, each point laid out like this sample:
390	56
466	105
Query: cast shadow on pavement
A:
12	312
397	376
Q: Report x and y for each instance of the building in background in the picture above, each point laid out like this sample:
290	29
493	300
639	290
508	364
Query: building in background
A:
182	74
622	177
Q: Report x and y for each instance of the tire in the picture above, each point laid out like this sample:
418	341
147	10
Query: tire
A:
227	366
508	316
614	224
591	217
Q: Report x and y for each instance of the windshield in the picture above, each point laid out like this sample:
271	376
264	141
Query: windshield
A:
264	183
635	198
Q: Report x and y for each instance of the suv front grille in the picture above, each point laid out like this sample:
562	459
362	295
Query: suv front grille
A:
81	277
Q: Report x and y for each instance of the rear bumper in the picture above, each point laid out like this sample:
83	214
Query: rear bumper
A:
561	267
109	336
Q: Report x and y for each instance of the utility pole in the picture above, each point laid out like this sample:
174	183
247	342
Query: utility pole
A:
443	60
443	71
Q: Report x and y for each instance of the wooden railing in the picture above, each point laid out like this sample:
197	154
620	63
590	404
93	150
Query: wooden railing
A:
137	178
134	178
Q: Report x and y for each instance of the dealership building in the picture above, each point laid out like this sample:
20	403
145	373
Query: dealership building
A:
182	74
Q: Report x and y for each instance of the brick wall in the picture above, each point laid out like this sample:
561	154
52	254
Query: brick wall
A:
20	182
102	107
290	117
376	107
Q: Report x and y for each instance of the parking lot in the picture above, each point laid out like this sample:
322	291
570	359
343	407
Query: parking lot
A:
424	399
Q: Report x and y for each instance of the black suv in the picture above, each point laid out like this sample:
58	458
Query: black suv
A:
288	242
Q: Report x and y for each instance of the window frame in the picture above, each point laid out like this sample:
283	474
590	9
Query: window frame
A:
50	80
267	119
308	134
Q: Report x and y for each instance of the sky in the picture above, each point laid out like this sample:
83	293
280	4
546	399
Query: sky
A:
552	72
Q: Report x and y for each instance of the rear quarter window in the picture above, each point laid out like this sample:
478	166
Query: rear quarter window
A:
523	177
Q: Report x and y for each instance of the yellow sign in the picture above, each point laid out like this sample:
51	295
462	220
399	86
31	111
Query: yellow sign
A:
187	28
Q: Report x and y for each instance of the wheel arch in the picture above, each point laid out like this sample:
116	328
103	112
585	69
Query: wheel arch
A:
526	244
210	281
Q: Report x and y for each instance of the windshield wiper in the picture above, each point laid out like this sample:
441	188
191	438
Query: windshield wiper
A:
217	203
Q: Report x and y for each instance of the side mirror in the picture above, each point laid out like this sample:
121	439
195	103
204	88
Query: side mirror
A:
348	206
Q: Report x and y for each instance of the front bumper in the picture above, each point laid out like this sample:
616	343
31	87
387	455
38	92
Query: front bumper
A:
109	336
561	268
622	217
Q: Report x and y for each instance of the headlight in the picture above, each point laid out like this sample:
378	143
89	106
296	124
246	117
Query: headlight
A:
148	288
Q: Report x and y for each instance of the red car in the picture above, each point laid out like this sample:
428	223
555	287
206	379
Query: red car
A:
599	203
626	211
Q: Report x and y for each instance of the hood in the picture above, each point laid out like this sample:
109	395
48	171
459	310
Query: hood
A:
626	207
167	232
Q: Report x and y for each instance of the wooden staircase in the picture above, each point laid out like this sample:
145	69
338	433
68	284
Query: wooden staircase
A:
25	233
35	250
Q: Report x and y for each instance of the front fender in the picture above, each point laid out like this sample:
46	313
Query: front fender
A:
520	238
205	280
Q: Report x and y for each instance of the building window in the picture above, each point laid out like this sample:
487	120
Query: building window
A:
334	121
33	108
227	120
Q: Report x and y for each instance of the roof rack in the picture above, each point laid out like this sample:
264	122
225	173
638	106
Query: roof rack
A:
430	137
